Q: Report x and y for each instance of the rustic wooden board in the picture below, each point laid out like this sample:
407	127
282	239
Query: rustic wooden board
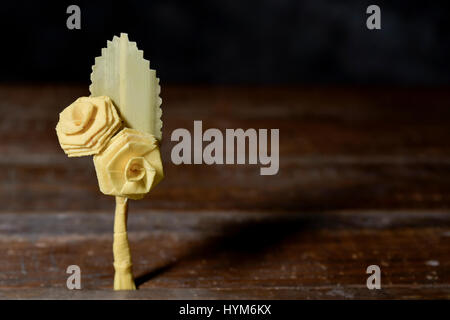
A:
364	179
232	254
339	148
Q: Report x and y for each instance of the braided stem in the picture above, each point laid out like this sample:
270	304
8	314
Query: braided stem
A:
123	277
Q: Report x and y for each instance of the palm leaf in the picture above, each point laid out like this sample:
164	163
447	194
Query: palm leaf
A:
122	73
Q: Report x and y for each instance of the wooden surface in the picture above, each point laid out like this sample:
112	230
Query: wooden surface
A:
364	179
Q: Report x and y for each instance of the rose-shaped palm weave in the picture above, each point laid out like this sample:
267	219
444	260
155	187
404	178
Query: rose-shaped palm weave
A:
86	125
130	166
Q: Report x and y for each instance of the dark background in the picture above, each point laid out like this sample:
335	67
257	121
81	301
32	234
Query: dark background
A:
234	42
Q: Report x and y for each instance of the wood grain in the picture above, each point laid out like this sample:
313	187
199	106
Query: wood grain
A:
232	255
364	179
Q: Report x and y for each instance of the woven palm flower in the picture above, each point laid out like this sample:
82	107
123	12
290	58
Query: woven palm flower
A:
85	127
128	164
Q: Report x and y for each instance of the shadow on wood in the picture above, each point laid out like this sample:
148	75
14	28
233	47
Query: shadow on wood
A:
152	274
240	243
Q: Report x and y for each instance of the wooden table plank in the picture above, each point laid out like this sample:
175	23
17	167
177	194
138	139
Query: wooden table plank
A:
340	148
364	179
233	255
